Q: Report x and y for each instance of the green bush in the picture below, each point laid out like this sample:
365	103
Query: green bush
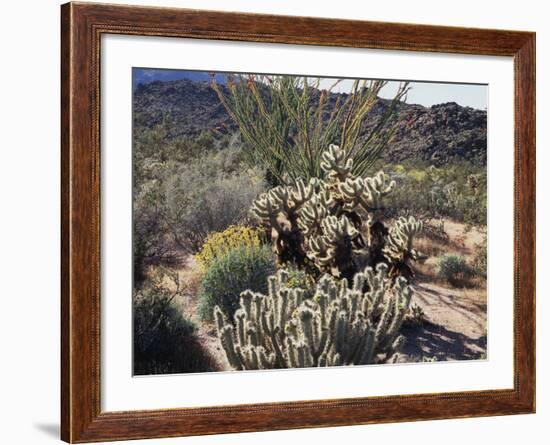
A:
415	316
208	196
164	339
219	243
158	145
458	192
152	243
176	205
299	279
454	269
156	157
480	259
227	276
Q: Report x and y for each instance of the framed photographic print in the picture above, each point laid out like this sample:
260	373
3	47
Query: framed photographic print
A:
276	222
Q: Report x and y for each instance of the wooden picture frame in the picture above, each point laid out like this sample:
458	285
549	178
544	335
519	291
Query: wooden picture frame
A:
82	26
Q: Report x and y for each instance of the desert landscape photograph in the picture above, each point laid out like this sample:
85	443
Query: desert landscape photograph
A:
284	221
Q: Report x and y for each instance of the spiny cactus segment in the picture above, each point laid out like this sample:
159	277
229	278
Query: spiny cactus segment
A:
343	324
335	225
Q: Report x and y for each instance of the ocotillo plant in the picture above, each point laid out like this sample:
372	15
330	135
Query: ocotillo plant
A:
341	325
287	121
336	225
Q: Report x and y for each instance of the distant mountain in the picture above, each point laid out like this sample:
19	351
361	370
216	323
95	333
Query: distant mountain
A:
150	75
438	134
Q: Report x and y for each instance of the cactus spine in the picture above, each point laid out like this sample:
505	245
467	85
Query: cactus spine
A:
344	324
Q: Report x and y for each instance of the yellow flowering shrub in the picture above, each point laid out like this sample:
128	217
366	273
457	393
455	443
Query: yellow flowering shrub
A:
219	244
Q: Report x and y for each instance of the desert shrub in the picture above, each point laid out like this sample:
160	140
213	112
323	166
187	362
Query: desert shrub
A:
454	269
415	316
176	205
300	279
152	244
208	196
287	122
156	159
458	191
434	230
164	339
429	246
218	244
480	259
157	144
341	325
229	275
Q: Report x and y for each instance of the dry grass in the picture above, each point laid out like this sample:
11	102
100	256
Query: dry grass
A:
459	240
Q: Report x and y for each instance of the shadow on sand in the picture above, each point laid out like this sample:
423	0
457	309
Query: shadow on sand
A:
431	340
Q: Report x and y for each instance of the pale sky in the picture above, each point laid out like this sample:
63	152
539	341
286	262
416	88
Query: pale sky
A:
423	93
429	93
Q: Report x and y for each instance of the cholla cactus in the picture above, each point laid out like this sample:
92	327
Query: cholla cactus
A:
333	249
335	164
366	193
334	225
399	245
278	208
341	325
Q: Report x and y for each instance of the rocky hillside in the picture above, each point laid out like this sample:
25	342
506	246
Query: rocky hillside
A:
438	134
